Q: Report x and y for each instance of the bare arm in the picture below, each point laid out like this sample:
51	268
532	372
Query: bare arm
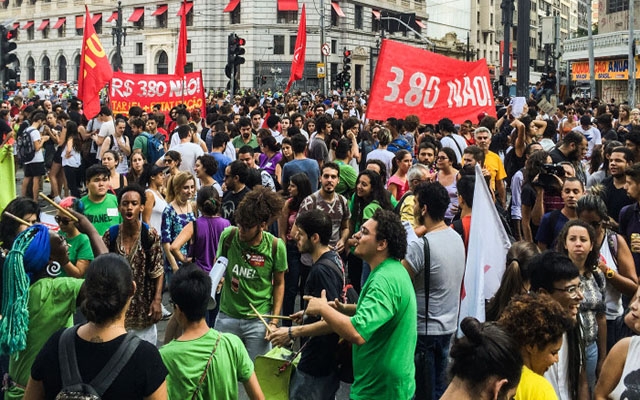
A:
393	188
185	235
339	323
626	280
156	305
406	266
77	270
611	369
148	207
283	221
526	224
170	258
253	388
34	391
106	145
520	137
278	293
538	208
501	189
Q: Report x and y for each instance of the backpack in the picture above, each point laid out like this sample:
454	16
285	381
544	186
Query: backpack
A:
25	147
348	294
145	241
73	388
155	148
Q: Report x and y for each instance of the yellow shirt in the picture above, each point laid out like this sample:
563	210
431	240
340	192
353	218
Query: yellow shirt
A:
534	387
494	165
406	210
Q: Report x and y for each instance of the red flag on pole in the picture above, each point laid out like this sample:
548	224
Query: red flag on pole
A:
297	65
95	71
181	59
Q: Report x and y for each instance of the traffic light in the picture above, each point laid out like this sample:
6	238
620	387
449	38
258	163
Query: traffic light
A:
235	51
7	45
346	68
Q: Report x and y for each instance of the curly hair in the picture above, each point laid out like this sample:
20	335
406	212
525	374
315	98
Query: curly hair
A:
260	205
390	228
535	319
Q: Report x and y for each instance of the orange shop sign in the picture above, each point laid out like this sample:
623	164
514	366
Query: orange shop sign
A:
605	70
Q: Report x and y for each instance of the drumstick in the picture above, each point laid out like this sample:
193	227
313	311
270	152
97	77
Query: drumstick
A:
272	316
56	205
18	219
260	317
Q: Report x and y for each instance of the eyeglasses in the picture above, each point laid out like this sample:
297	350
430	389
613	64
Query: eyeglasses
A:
61	220
168	161
572	290
442	158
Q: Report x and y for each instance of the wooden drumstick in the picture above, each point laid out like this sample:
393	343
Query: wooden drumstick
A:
18	219
57	206
260	317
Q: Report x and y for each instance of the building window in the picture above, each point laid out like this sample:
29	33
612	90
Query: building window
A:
287	17
235	15
45	31
62	69
292	44
61	30
189	46
161	19
478	18
190	17
46	69
31	33
138	48
334	46
98	26
278	44
614	6
162	66
19	4
358	16
138	68
375	22
140	22
491	19
188	67
334	17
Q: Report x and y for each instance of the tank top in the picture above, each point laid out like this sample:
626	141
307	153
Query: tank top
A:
156	213
613	298
627	387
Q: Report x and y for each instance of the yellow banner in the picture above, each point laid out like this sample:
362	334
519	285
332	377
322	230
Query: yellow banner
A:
605	70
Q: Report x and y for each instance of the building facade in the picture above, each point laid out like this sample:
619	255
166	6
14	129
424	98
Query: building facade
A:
50	37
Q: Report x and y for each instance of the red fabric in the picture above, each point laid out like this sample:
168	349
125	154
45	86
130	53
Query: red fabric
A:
79	21
59	23
95	71
146	90
160	10
27	25
297	65
96	18
181	59
287	5
43	24
266	116
137	14
231	6
337	9
185	6
409	81
113	17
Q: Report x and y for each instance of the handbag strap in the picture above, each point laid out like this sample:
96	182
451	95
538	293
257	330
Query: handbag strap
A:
427	275
206	368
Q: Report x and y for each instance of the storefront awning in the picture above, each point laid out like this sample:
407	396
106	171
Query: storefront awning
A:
96	18
160	10
376	13
113	17
79	21
188	8
28	25
287	5
421	24
43	25
337	9
231	6
60	22
137	14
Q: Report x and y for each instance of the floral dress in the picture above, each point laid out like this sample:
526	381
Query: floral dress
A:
172	225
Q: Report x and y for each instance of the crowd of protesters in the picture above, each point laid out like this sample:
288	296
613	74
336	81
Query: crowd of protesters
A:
302	199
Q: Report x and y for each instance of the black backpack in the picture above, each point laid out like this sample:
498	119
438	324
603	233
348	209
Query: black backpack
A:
73	388
25	147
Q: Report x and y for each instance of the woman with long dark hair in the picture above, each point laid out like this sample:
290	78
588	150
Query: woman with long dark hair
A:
369	196
447	164
107	292
270	156
299	188
72	159
287	155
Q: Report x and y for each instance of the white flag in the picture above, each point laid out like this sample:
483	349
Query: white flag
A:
487	254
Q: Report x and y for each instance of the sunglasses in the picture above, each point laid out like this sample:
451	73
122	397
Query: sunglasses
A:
168	161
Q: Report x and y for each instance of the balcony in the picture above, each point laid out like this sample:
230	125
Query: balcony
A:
604	45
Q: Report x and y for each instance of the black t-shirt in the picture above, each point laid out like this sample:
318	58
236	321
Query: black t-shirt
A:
319	356
557	156
614	198
230	202
141	377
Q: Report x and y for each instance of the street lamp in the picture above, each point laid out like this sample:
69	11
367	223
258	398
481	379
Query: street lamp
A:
119	35
260	65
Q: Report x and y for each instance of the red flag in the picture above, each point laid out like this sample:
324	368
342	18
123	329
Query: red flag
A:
95	71
297	65
267	115
181	59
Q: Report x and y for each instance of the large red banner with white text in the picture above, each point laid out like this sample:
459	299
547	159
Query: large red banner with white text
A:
127	90
414	81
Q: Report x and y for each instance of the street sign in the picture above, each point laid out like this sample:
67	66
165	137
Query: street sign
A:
326	49
321	70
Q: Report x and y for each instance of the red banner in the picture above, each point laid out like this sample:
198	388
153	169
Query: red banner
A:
127	90
414	81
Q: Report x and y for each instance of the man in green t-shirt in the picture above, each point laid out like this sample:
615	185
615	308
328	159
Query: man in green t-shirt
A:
100	207
255	271
186	357
383	323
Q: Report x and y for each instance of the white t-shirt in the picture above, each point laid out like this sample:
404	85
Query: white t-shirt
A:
39	155
189	152
557	373
450	142
107	129
593	135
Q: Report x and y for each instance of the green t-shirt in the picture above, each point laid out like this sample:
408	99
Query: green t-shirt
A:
79	249
383	367
186	361
348	177
237	142
52	303
249	275
102	215
140	142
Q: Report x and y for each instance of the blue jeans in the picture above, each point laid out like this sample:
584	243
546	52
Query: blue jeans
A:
291	281
591	353
250	331
436	349
308	387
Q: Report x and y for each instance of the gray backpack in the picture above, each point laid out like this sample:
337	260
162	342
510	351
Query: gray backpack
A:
73	388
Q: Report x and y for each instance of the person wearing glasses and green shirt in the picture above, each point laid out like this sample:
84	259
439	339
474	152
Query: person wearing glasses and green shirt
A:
555	274
80	253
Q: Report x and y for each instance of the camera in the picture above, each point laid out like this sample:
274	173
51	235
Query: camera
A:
548	177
